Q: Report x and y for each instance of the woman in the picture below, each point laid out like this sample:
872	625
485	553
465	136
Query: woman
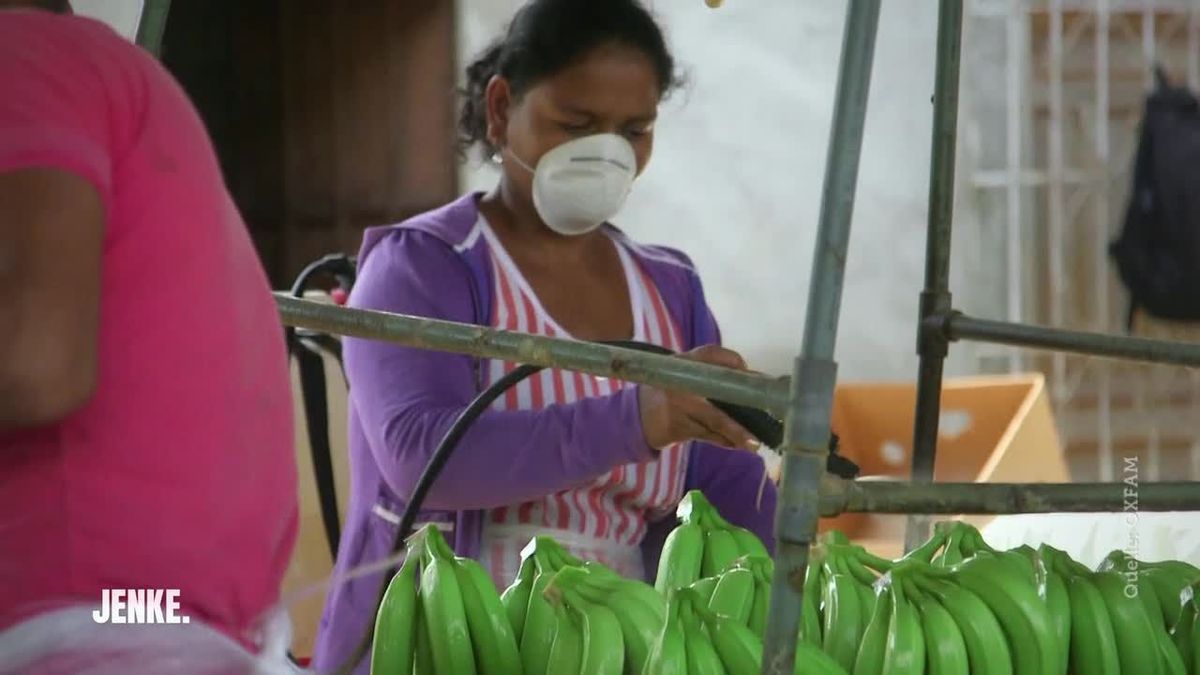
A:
566	101
145	426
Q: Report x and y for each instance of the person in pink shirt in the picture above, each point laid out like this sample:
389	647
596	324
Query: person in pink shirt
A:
145	406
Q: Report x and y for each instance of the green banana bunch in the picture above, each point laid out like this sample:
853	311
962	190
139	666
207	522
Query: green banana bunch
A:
559	556
740	652
702	657
734	595
1195	646
702	545
865	567
566	650
872	565
534	622
970	542
760	608
540	623
440	614
952	554
1052	590
550	551
1172	660
1185	634
762	566
515	598
1133	630
832	557
720	645
1022	560
844	623
1121	561
668	656
1169	584
927	551
692	506
810	614
720	551
905	639
1181	630
423	658
705	587
747	594
945	648
602	646
954	605
873	648
1164	589
1058	601
748	543
1150	600
988	652
847	599
1093	640
1169	577
645	594
811	660
682	555
1091	644
1029	560
492	638
394	644
1015	601
855	563
443	611
639	610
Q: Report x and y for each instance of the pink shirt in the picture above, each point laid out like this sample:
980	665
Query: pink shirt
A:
179	473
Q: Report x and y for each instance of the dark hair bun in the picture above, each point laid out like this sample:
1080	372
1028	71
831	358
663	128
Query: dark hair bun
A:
546	36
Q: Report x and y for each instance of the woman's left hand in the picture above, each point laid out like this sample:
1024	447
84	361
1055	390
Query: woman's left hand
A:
670	417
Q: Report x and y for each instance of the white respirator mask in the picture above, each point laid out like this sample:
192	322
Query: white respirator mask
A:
580	184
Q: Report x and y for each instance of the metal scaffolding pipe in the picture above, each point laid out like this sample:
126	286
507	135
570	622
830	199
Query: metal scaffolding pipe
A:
152	25
813	381
1014	232
1103	224
935	299
714	382
1004	498
960	327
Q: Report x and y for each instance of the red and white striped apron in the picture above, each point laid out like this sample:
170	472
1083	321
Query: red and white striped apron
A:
606	519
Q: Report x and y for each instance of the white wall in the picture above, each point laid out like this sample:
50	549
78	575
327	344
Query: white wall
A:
121	15
739	163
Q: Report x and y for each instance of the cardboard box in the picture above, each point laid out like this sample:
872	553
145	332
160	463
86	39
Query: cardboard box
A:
996	429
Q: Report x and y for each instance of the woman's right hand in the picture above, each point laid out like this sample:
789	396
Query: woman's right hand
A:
670	417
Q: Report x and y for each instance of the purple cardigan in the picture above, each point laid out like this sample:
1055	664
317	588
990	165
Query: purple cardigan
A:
402	401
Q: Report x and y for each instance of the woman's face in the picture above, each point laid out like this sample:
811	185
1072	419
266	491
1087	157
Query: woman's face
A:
613	89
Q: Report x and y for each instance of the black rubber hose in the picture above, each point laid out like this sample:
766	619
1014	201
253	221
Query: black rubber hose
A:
340	265
759	423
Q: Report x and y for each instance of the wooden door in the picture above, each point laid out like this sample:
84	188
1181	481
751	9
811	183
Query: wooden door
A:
328	117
